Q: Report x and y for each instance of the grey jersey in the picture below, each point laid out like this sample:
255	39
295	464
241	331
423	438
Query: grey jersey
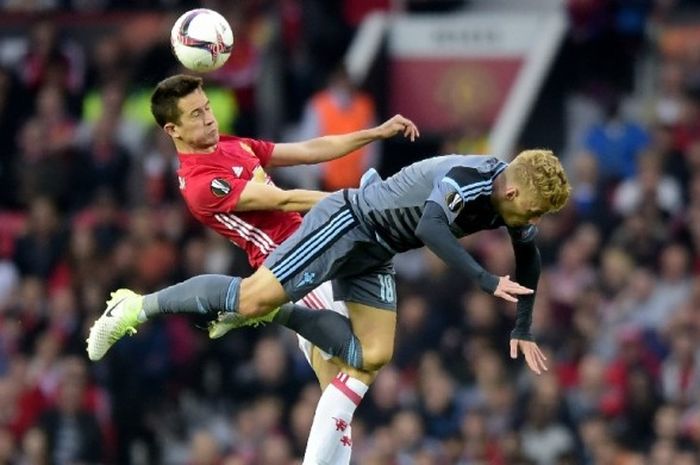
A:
460	184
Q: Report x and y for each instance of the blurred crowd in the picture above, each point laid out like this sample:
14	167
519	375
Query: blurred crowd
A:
89	204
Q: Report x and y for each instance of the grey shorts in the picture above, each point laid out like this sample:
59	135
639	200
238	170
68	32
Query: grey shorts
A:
332	243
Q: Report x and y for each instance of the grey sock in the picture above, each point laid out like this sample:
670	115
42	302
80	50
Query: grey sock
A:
204	294
326	329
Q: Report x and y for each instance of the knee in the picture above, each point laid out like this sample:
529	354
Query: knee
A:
375	356
258	296
253	301
366	377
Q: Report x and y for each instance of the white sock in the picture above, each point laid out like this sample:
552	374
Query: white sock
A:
330	439
342	456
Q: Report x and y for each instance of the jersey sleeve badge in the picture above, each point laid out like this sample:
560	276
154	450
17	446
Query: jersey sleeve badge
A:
454	201
220	187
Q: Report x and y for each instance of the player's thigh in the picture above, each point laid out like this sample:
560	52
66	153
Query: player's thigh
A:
371	301
317	251
375	328
367	282
260	293
325	367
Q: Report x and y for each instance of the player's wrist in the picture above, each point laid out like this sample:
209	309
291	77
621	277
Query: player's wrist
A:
488	282
373	134
521	335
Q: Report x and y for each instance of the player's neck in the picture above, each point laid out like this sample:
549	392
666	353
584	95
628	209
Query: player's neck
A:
184	148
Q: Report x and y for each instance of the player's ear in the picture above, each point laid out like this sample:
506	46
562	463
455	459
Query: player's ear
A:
511	192
171	130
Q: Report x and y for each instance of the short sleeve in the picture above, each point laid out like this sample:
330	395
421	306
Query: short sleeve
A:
261	148
215	193
459	186
523	234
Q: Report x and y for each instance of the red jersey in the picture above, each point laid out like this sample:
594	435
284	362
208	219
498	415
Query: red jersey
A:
211	184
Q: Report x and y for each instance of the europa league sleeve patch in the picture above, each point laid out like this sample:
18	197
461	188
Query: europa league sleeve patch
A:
454	201
220	187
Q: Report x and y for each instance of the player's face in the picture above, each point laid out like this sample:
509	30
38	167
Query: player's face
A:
520	208
198	127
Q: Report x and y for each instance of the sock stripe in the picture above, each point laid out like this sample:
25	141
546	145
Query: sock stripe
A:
353	353
349	393
231	299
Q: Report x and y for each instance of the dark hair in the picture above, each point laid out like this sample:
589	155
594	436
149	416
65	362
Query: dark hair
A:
168	92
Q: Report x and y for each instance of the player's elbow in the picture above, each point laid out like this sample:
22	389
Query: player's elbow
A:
299	200
283	200
291	201
286	201
423	231
420	233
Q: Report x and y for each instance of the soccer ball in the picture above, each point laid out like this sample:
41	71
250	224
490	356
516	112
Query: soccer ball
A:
201	40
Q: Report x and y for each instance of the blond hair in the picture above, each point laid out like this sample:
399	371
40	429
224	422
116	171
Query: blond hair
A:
541	173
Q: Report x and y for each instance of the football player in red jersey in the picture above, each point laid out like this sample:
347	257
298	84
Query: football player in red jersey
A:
225	186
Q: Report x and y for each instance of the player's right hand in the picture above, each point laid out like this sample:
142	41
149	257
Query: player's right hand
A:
510	290
534	357
396	125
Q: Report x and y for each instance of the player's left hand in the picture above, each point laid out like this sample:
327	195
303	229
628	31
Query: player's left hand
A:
395	125
533	355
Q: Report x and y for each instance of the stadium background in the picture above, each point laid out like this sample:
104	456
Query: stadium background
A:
89	202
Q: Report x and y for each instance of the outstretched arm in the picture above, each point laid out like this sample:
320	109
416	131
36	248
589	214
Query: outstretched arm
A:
258	196
527	272
328	148
435	233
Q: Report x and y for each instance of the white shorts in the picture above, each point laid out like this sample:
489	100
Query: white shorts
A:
320	298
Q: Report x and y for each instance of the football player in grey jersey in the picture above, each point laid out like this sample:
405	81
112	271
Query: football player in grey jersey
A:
351	236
